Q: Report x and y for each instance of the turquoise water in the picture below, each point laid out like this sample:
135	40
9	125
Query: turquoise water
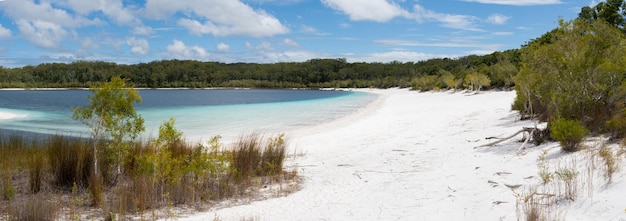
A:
200	114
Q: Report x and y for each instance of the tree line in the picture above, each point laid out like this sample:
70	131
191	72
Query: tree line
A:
498	67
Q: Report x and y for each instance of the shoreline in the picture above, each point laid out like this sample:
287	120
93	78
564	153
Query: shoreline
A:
411	154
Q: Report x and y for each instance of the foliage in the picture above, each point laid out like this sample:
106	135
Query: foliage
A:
476	81
314	73
425	83
575	73
568	132
111	115
611	11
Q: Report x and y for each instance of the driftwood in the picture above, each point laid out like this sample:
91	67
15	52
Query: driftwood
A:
535	134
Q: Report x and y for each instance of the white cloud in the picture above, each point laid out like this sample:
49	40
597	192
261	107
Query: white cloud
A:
43	11
179	49
449	43
223	47
263	47
517	2
462	22
498	19
371	10
218	17
42	33
4	33
502	33
308	29
402	56
142	30
291	43
113	9
138	45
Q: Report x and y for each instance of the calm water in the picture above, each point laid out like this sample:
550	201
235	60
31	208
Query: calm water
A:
200	114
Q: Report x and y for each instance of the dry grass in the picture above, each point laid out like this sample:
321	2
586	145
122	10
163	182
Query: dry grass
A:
564	181
34	208
153	182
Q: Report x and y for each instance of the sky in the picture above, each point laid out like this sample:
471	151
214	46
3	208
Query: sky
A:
269	31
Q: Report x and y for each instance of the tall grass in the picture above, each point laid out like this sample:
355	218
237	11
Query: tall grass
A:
70	161
153	176
251	157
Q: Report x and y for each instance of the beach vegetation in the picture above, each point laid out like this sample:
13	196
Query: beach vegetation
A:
111	116
569	133
425	83
254	155
575	72
543	166
476	81
610	162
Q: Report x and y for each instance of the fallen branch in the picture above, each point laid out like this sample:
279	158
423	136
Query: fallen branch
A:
526	141
529	130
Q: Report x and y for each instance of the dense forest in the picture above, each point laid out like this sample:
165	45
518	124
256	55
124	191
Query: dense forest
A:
499	67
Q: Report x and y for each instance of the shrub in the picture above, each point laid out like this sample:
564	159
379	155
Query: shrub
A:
568	132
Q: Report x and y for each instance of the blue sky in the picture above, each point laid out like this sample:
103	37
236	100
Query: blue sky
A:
268	31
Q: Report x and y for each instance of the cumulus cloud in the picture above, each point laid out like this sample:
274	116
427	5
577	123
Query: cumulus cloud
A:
138	45
223	47
371	10
113	9
179	49
42	33
518	2
462	22
218	17
498	19
4	33
43	11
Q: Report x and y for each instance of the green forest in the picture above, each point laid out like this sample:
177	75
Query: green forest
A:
315	73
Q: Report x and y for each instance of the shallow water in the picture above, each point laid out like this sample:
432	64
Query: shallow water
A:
200	114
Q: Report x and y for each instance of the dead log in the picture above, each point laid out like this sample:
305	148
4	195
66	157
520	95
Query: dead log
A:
535	134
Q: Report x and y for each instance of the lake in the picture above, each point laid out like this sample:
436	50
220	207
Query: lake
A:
200	113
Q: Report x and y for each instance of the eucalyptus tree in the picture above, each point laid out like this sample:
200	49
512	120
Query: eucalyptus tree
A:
110	115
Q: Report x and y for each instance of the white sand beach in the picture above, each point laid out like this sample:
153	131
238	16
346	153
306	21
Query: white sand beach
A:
412	156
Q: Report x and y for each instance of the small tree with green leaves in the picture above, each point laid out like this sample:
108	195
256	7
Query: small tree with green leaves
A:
110	115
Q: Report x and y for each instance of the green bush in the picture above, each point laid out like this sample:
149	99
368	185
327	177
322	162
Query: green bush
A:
568	132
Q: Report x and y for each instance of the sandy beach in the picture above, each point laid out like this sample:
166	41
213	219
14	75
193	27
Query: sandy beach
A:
412	156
